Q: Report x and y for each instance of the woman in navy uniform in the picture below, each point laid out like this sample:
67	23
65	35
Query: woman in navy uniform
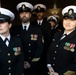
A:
61	57
11	57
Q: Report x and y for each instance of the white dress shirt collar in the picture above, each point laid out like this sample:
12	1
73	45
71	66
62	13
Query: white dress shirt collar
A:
40	21
27	26
68	32
3	38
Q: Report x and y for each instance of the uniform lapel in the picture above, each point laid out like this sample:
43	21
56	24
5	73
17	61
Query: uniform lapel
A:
59	37
11	43
30	28
2	44
20	28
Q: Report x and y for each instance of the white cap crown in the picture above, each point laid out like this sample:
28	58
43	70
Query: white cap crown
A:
7	12
41	5
66	9
51	18
26	4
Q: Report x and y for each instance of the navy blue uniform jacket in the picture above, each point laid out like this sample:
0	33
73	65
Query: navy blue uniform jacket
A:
11	58
62	53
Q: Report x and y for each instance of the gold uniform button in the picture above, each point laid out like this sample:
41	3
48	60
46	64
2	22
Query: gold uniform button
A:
56	45
53	39
55	51
8	54
29	44
9	61
53	64
9	68
29	51
54	57
9	74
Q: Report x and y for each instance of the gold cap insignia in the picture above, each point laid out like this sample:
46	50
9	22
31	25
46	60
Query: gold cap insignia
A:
23	7
51	18
39	8
70	11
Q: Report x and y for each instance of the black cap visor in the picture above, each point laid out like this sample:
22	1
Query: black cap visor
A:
24	10
40	10
52	20
4	18
72	16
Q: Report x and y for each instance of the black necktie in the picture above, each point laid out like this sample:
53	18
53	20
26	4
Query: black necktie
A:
25	28
6	39
63	36
39	23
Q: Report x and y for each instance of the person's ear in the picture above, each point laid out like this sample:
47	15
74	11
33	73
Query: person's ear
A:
10	25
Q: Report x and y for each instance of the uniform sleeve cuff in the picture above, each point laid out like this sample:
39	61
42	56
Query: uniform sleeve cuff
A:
48	65
35	59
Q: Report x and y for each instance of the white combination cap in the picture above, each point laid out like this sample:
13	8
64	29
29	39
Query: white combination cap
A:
57	17
51	18
39	7
69	12
24	6
6	14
